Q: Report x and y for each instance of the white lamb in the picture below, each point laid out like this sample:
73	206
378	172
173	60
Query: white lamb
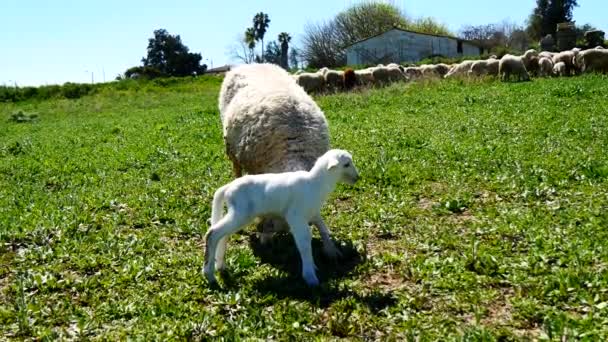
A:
460	70
295	196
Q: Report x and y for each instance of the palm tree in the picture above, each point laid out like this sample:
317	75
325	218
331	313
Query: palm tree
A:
250	41
260	24
284	39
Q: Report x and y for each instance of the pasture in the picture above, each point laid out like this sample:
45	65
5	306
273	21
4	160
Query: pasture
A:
481	214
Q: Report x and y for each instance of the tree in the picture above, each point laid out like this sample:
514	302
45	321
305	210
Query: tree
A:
260	25
242	49
284	39
168	55
273	53
547	14
294	57
493	36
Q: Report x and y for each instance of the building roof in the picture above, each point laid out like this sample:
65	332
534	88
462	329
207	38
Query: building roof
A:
410	31
223	68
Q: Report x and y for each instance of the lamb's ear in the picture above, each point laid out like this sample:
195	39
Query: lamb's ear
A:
333	162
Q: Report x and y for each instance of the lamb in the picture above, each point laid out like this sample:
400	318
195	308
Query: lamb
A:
567	57
592	60
459	70
295	196
334	79
512	65
545	66
311	82
559	69
270	125
546	54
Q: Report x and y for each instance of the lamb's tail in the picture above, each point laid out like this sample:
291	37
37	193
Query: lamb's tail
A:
217	208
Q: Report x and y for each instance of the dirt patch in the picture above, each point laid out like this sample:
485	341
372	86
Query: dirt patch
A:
426	204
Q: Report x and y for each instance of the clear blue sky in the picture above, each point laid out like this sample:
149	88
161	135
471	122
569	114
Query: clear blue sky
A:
48	42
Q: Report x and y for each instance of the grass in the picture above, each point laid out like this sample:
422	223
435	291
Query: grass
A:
481	215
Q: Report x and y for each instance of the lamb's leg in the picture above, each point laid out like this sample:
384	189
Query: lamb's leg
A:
301	234
329	248
229	224
220	252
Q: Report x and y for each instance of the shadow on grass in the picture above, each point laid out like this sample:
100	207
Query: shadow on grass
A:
282	253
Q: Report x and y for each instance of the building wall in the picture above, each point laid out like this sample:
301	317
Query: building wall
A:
399	46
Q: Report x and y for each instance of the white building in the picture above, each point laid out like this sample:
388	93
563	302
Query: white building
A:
398	46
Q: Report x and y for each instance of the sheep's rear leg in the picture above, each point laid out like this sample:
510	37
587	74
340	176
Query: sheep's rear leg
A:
301	234
329	248
229	224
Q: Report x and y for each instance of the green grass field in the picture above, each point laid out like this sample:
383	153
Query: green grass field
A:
481	215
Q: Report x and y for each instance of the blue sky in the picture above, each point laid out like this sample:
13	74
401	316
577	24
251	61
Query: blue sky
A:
49	42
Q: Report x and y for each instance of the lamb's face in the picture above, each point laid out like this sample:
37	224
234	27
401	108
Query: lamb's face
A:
342	165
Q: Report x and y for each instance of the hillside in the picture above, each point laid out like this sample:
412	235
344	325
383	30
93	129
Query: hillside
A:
481	213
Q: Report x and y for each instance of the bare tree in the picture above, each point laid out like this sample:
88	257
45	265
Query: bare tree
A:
241	51
320	46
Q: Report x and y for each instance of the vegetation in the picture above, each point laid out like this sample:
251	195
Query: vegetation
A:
324	43
481	215
547	14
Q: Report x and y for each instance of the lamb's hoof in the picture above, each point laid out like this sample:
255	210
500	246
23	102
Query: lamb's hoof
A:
210	278
311	280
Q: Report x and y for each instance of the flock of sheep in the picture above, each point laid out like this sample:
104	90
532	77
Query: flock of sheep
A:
543	64
271	125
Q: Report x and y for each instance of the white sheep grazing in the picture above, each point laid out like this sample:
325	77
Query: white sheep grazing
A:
311	82
295	196
385	75
484	67
559	69
512	65
460	70
334	79
364	77
593	60
567	57
270	124
599	47
434	70
412	73
546	54
545	67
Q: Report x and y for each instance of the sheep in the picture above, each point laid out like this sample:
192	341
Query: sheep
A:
334	79
599	47
567	57
297	197
459	70
412	73
311	82
512	65
484	67
364	77
592	60
545	66
270	124
559	69
350	78
546	54
384	75
434	70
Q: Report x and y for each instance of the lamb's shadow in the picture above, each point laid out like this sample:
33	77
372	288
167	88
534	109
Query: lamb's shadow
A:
281	252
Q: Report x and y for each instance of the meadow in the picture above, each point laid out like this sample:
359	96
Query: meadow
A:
481	215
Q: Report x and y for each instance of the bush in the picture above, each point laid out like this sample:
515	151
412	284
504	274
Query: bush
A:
75	91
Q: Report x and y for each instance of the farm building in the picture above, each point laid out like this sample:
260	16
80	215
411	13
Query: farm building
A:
397	46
